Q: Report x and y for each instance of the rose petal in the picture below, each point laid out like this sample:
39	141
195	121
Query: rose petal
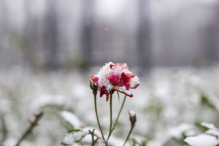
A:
135	86
124	79
130	75
94	79
104	91
124	91
127	85
114	79
119	65
111	66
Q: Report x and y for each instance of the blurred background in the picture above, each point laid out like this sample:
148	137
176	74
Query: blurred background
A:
84	33
49	47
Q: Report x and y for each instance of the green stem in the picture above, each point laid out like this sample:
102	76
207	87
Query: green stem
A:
111	116
4	130
118	116
132	126
96	140
92	134
38	117
95	105
119	113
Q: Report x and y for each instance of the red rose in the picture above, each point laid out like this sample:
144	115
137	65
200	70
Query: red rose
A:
115	76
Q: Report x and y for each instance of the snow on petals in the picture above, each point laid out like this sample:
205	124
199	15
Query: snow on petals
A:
115	76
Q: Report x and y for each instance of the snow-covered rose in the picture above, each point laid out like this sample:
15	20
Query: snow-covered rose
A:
115	76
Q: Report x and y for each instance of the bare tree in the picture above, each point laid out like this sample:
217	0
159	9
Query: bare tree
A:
86	32
143	36
50	36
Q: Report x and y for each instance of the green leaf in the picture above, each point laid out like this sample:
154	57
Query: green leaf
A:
67	125
201	127
74	136
205	126
69	120
135	143
207	102
144	143
184	135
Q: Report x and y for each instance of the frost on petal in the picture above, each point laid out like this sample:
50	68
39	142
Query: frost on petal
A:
109	87
134	83
124	91
120	65
103	75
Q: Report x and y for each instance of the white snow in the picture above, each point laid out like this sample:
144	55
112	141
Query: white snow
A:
10	141
202	140
132	113
88	139
80	91
91	129
103	76
209	138
72	119
106	71
72	137
48	99
213	133
134	81
177	131
164	92
114	141
209	125
154	143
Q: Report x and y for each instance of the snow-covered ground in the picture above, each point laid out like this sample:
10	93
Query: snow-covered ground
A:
170	105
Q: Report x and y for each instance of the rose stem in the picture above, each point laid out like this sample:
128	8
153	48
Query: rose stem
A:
111	115
118	116
132	126
95	105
